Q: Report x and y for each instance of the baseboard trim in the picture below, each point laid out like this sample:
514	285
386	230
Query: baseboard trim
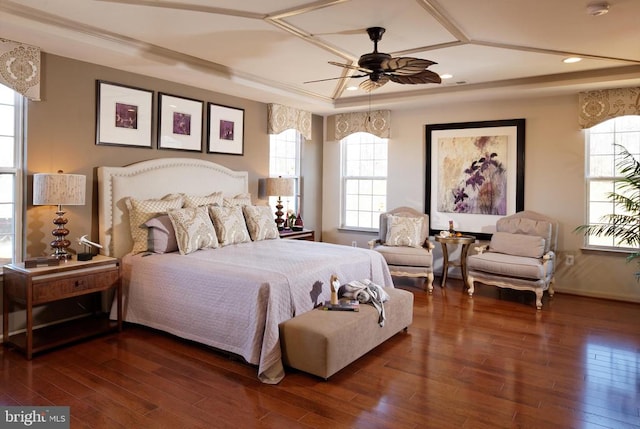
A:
600	295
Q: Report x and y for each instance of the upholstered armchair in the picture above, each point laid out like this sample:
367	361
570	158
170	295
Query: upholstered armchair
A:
521	255
404	243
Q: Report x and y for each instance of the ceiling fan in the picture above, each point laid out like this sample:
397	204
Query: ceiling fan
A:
381	68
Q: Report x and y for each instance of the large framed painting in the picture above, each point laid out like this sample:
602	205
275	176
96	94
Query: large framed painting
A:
474	174
225	129
179	123
124	115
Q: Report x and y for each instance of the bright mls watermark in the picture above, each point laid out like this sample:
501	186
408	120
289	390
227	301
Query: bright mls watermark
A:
34	417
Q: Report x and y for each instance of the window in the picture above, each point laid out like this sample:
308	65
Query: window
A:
601	170
284	160
11	120
364	180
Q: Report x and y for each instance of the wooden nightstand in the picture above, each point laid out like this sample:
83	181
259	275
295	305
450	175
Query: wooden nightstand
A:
305	234
31	287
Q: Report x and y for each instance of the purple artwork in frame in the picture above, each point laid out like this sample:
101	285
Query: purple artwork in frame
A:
126	116
179	123
182	123
474	178
226	130
474	174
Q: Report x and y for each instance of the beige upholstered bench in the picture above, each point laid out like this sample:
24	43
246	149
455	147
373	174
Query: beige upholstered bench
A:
323	342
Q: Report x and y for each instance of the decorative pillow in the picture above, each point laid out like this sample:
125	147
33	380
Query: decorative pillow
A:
238	200
229	224
140	211
194	229
260	222
523	225
404	231
162	236
206	200
530	246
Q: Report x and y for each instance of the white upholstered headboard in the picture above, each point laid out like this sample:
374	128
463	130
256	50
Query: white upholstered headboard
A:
155	179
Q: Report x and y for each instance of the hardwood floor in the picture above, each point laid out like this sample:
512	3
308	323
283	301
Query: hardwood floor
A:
488	362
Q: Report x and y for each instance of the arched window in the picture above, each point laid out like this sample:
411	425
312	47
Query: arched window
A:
602	176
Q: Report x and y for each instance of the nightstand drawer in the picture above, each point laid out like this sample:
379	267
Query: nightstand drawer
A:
66	287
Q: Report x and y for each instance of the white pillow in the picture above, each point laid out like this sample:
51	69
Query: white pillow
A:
229	224
193	228
140	211
530	246
404	231
260	222
238	200
205	200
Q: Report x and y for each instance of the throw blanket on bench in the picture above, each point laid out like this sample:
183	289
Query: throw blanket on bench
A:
367	292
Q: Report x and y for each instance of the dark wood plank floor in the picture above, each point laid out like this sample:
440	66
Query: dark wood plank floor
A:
488	362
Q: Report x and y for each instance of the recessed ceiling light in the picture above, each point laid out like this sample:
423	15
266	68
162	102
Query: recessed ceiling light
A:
571	60
352	88
446	76
598	8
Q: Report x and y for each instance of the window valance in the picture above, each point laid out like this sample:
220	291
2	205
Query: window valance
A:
20	68
598	106
281	118
377	122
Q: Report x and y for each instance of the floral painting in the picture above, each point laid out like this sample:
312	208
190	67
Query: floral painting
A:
474	176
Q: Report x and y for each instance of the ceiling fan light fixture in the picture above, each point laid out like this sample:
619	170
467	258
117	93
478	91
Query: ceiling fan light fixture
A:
352	88
380	67
571	60
446	76
598	8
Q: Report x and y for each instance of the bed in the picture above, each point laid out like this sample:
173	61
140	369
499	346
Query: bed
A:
232	297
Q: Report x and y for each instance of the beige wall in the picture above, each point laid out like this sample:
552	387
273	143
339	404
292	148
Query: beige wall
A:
554	182
61	135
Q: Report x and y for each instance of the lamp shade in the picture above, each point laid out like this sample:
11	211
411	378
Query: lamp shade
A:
279	186
58	189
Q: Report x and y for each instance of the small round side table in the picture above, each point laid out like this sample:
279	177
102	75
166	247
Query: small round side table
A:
465	241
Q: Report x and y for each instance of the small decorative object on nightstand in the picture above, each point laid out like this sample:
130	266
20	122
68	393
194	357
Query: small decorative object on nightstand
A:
87	255
297	224
30	287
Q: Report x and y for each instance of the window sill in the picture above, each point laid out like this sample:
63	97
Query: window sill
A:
358	230
593	250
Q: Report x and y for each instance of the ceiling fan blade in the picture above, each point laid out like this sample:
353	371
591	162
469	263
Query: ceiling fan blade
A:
351	67
405	66
336	78
425	76
369	85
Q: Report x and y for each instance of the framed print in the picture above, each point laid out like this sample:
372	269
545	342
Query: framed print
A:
474	174
225	129
179	123
123	115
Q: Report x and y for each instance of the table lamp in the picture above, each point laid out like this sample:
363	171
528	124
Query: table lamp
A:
279	187
58	189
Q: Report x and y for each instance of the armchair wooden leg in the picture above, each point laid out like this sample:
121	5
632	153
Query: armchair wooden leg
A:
470	285
429	285
539	293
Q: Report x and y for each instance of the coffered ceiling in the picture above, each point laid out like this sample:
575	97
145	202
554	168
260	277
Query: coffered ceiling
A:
266	50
